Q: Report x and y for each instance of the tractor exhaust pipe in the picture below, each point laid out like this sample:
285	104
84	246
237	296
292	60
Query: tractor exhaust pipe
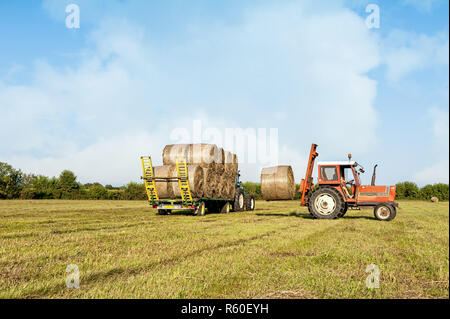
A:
374	175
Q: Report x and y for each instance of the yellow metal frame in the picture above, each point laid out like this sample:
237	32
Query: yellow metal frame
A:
183	181
150	186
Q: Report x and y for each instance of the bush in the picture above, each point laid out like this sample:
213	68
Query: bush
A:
68	186
135	191
252	189
407	190
116	194
39	187
97	192
11	181
441	191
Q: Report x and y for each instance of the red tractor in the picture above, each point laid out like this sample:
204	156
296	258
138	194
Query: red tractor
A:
339	189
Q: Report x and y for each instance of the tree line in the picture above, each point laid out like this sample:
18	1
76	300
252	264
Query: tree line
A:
14	184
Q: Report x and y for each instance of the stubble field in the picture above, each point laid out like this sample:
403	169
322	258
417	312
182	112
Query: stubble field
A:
123	249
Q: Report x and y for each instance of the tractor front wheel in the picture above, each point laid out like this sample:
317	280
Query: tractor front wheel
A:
238	204
384	212
326	203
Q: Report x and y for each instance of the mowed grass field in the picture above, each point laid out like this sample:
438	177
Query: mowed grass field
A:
125	250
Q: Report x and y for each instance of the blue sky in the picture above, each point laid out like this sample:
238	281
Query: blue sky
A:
94	99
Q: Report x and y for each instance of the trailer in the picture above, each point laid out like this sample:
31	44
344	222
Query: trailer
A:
198	206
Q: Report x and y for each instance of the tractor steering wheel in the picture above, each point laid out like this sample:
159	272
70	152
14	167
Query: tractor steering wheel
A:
350	182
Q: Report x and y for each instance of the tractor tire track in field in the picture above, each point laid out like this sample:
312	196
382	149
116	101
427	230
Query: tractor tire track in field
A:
68	231
105	275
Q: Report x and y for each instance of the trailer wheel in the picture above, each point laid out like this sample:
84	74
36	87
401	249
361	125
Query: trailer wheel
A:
226	209
249	202
384	212
326	203
238	204
200	210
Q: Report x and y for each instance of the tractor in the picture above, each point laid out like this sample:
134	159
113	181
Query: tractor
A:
339	189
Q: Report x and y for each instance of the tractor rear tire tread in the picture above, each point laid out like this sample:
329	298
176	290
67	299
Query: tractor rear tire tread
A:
238	206
343	211
339	200
249	202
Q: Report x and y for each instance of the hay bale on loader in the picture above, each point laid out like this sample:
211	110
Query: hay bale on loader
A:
277	183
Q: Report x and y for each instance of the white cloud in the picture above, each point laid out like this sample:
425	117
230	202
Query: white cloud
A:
406	52
113	160
437	173
423	5
125	95
438	170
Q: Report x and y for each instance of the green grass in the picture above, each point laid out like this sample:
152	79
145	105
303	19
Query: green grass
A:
125	250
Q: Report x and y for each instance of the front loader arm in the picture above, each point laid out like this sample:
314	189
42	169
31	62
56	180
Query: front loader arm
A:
306	184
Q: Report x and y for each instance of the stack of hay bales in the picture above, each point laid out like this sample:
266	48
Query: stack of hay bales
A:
277	183
212	171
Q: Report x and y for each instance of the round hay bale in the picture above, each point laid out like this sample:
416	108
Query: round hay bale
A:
205	154
215	180
228	162
231	186
222	156
164	189
235	163
220	165
174	151
196	154
434	199
277	183
222	188
209	181
227	157
196	180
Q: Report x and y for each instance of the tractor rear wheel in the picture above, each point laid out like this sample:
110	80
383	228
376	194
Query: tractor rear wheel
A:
249	202
385	212
326	203
344	210
238	204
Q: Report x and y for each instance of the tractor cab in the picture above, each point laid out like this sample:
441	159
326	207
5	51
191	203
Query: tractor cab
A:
340	173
